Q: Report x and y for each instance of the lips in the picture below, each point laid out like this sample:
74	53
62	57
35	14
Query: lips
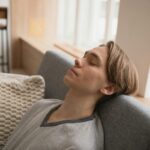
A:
74	71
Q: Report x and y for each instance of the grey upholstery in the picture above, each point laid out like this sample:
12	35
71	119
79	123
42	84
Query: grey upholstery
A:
53	68
126	122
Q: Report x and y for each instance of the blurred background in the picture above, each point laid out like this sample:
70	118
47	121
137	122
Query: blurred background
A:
28	28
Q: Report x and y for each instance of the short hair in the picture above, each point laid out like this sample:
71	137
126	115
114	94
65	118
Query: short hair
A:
121	71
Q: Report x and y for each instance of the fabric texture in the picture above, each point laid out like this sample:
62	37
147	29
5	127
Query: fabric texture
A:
53	68
80	134
126	123
17	95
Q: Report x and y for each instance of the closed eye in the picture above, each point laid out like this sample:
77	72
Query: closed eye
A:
90	59
92	62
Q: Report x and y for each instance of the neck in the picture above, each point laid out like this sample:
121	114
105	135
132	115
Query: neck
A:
77	105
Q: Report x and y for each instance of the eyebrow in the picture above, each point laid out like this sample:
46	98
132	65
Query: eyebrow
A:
93	54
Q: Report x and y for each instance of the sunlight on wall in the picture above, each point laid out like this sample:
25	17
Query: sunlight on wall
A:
36	27
147	93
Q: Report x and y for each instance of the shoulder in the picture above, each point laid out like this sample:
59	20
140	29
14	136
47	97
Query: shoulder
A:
41	105
46	103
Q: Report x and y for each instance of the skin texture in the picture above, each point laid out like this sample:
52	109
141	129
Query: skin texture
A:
87	82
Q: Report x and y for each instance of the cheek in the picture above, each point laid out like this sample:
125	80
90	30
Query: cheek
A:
91	79
95	79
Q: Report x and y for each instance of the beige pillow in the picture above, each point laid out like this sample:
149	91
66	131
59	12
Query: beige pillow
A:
17	95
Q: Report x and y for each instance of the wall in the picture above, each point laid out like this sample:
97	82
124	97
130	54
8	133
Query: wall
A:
31	58
19	13
32	54
134	35
31	19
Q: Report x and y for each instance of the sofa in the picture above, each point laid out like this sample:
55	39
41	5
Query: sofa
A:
125	120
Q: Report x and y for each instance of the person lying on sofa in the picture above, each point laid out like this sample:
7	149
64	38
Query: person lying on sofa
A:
73	124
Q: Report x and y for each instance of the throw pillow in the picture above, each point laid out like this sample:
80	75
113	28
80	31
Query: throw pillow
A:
17	94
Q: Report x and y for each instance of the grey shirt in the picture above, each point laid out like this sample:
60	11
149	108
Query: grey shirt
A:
35	133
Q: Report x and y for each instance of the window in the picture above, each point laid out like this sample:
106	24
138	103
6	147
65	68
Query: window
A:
147	93
86	23
4	3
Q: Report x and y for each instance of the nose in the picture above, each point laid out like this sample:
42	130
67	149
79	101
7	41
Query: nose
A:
78	62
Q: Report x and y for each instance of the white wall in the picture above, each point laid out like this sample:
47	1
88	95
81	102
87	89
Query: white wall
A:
134	36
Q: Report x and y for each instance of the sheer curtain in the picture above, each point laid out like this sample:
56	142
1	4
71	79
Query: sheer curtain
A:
86	23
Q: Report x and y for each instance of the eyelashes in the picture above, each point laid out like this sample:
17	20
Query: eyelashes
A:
90	60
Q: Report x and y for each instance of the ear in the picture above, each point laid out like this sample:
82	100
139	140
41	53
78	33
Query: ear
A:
108	90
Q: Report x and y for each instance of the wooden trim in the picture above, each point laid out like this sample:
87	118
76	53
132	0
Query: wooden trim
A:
72	50
3	12
3	27
42	47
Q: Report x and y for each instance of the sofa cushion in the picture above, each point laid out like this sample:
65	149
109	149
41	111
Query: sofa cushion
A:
126	123
17	95
53	69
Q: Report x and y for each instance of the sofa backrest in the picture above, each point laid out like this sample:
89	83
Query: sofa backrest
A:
126	123
125	120
53	68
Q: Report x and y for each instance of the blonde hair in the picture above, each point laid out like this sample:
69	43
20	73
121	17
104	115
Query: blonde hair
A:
120	70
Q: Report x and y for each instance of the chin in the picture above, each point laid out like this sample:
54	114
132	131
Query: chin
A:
66	81
69	83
